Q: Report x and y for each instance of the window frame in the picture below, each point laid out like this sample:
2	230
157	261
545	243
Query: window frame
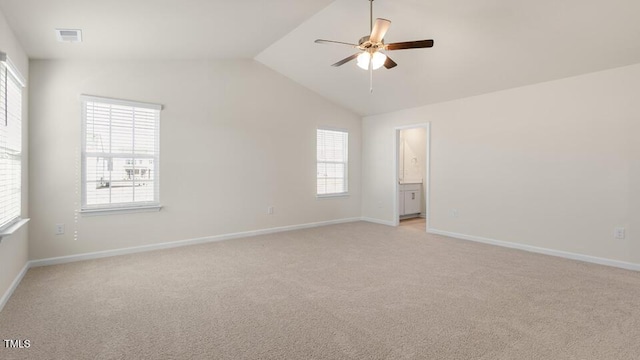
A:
12	74
136	206
344	193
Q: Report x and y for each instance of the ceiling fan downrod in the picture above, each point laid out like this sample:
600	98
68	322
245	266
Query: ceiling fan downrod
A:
372	48
370	62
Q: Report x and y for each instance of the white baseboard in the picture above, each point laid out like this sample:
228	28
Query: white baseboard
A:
540	250
202	240
378	221
151	247
14	285
173	244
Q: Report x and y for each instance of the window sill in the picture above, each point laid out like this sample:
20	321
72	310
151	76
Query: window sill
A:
13	228
329	196
122	210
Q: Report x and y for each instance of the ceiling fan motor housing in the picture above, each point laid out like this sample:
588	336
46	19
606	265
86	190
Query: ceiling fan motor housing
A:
365	44
371	46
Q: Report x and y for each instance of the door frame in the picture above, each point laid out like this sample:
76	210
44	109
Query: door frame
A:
426	182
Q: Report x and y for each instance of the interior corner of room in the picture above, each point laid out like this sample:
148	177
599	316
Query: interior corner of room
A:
147	133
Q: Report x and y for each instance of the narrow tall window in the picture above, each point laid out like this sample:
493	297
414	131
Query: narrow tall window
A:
11	84
332	162
120	155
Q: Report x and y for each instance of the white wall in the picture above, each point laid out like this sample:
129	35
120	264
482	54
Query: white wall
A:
552	165
634	185
235	138
412	155
14	248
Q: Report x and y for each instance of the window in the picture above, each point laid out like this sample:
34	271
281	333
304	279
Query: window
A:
120	155
332	162
11	84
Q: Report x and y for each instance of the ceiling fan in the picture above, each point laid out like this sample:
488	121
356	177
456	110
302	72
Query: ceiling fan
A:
370	54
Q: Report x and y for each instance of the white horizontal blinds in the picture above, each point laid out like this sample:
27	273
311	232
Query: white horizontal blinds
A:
121	154
332	159
10	147
3	94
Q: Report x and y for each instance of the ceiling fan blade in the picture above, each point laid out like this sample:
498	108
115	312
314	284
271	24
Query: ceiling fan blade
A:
320	41
346	60
379	30
389	64
409	45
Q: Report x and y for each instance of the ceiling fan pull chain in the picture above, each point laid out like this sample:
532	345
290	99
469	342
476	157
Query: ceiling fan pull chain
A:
370	77
370	57
372	48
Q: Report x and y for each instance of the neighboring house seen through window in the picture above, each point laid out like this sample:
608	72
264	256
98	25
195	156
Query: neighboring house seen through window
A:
120	154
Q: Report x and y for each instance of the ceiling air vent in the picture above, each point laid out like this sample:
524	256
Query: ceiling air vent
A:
69	35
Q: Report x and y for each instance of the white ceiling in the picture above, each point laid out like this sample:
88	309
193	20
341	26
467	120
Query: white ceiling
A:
480	45
169	29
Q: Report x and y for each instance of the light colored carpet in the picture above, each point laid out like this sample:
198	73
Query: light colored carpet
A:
350	291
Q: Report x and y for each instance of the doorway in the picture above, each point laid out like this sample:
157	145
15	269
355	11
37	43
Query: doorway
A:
412	175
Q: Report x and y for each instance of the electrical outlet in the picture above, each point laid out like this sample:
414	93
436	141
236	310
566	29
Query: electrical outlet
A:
59	229
454	213
619	233
270	210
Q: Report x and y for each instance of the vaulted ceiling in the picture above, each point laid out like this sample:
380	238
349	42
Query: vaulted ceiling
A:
156	29
480	45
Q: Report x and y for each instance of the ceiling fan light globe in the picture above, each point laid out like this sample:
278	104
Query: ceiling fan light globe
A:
363	60
378	60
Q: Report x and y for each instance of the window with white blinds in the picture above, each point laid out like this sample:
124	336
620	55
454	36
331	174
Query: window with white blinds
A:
332	162
120	157
10	144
